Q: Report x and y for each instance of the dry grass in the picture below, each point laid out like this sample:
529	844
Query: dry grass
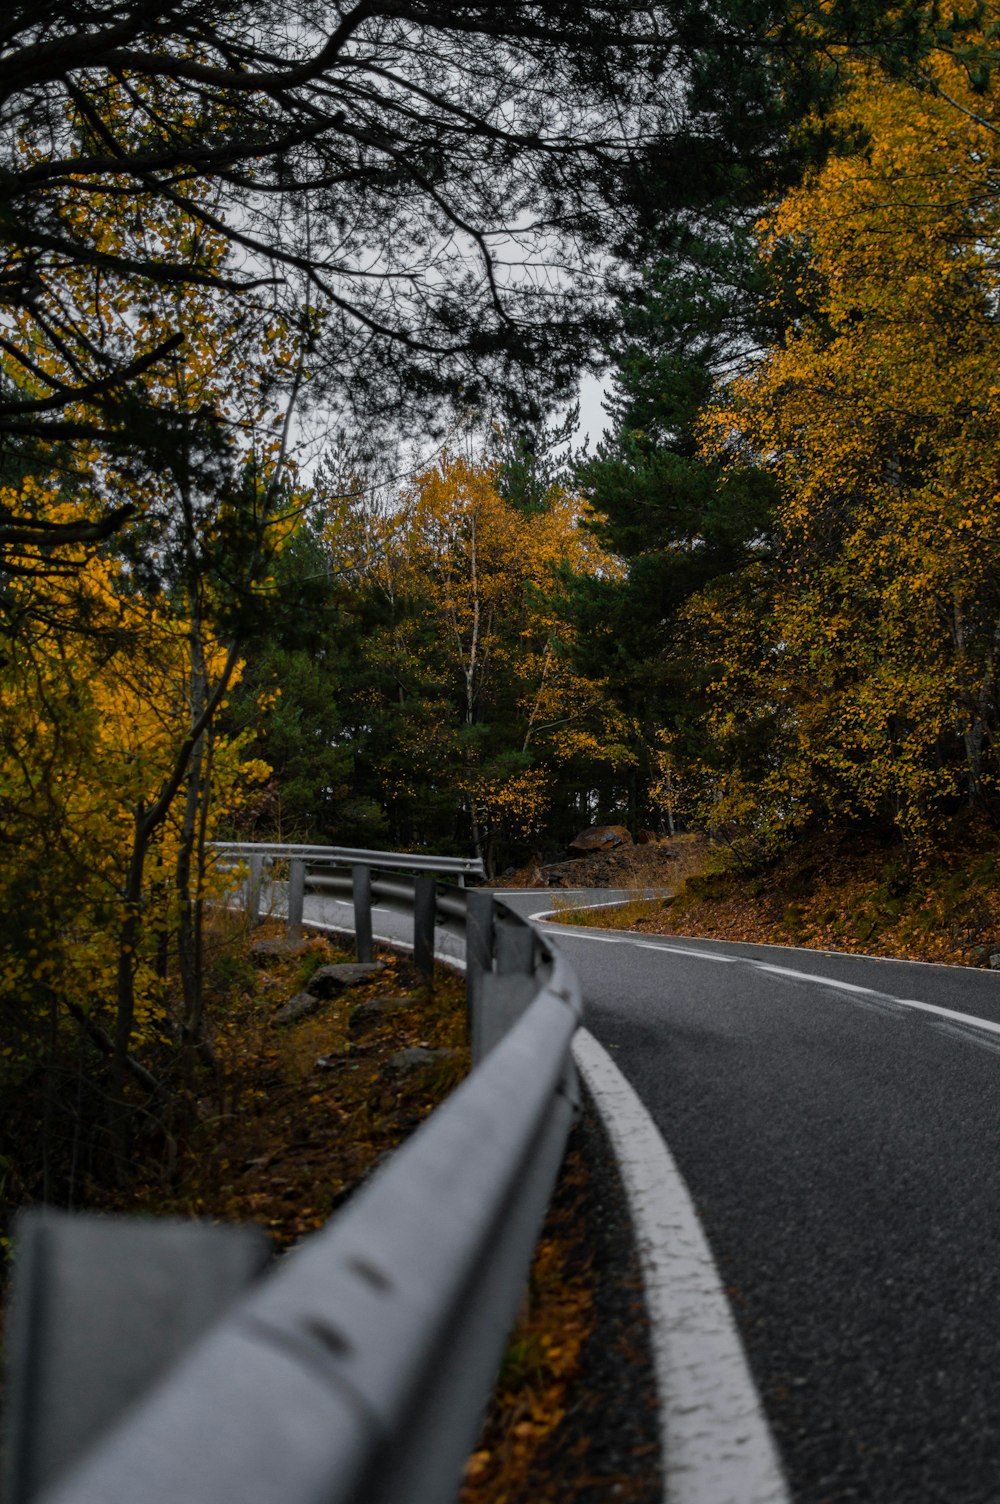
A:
634	914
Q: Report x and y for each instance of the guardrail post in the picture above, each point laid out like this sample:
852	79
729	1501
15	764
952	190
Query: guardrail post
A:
424	915
515	947
296	897
102	1306
361	885
503	993
479	912
255	883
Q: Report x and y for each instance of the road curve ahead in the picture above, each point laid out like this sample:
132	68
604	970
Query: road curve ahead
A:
837	1121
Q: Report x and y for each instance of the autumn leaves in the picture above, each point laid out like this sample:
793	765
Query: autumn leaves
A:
862	646
470	711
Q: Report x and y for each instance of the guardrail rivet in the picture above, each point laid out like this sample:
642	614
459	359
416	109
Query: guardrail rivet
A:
335	1342
370	1274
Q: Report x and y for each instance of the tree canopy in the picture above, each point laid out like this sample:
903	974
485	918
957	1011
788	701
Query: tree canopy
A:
854	670
440	181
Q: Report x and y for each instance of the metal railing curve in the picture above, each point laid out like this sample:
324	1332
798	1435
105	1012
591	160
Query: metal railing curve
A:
358	1370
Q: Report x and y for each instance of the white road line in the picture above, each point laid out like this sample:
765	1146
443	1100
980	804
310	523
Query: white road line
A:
585	934
604	939
790	973
805	950
969	1020
577	932
716	1445
683	950
970	1036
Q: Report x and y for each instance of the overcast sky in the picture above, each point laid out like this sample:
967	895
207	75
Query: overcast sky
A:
593	420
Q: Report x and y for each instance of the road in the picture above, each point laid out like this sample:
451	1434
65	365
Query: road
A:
836	1121
838	1129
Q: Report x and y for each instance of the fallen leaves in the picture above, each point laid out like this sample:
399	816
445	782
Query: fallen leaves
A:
840	892
304	1112
541	1360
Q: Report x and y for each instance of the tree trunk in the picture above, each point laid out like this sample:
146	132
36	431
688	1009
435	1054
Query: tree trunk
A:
190	855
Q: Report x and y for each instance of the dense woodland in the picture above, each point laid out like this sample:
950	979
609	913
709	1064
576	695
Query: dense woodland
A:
294	542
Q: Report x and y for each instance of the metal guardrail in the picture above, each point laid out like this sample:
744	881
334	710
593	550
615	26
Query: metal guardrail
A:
358	1372
349	856
314	868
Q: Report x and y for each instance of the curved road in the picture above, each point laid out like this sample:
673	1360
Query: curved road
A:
838	1128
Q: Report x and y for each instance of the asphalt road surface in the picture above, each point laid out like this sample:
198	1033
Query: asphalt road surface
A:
838	1129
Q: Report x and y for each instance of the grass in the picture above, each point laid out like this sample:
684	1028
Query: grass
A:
632	914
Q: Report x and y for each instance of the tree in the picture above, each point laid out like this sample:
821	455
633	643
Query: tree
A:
678	518
875	660
443	707
448	184
442	180
697	302
152	624
93	721
491	707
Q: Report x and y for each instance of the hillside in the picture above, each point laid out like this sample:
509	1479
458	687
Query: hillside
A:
838	891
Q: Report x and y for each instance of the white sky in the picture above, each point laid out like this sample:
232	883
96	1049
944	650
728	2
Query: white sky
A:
593	420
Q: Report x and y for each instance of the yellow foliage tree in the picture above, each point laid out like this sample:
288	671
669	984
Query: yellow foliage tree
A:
488	705
857	668
92	718
119	658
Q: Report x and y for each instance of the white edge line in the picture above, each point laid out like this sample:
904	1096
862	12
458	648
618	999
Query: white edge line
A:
833	984
614	903
805	950
716	1444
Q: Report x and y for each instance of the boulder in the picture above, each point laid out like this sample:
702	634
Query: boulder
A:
366	1015
300	1006
646	838
327	981
600	838
275	948
416	1056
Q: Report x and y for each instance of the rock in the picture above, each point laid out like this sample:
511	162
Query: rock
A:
647	838
327	981
275	948
995	960
366	1015
416	1056
600	838
528	876
300	1006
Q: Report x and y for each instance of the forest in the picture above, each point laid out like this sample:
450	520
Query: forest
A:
296	541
